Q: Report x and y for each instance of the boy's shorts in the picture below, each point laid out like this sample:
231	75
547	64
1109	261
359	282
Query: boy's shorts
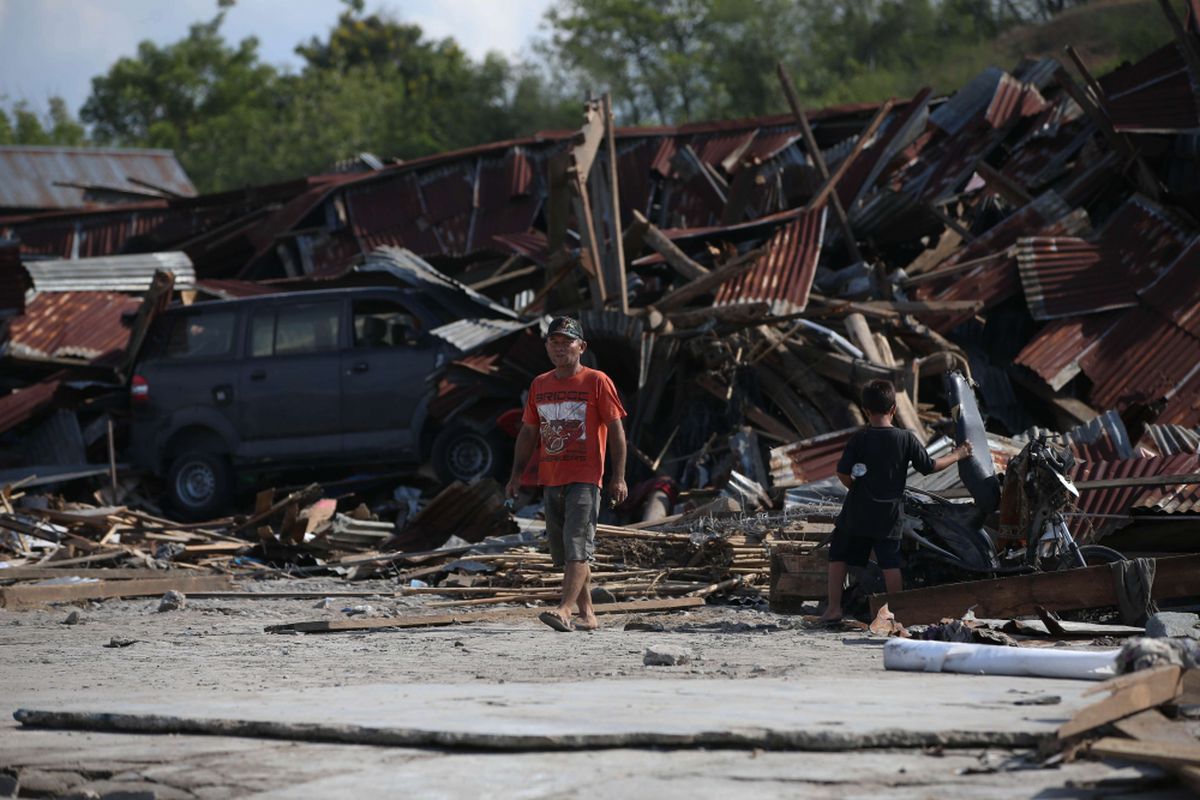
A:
856	550
571	514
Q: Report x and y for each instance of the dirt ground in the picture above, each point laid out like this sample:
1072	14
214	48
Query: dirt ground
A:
218	645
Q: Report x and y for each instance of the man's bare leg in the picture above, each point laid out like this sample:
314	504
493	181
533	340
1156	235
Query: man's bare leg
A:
893	580
837	579
587	614
575	578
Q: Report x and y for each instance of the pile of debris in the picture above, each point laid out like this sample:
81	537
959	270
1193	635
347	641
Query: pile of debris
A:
739	281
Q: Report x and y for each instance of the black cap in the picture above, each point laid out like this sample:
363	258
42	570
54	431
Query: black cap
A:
565	326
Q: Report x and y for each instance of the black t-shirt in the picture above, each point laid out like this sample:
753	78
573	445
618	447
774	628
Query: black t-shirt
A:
872	506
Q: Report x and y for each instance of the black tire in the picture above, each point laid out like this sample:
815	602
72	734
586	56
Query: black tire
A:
199	485
462	453
1094	555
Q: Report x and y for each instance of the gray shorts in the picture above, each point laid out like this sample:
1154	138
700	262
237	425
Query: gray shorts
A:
571	513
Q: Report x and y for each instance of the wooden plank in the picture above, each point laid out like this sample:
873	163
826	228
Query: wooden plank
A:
1152	726
22	596
45	571
676	259
1164	754
1018	596
439	620
864	137
1131	693
709	282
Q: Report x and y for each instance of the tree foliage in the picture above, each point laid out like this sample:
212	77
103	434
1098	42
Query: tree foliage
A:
375	83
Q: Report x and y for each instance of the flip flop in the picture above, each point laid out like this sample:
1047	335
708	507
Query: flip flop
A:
583	626
556	622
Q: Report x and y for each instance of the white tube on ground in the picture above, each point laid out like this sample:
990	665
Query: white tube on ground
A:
984	659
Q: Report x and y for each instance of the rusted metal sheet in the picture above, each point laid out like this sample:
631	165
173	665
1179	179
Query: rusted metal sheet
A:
1143	358
809	460
1155	95
996	278
1067	276
1167	440
1176	293
32	177
87	326
784	274
1102	505
1054	353
21	405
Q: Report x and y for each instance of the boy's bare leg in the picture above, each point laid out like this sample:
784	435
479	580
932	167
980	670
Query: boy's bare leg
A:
587	614
893	580
837	579
575	577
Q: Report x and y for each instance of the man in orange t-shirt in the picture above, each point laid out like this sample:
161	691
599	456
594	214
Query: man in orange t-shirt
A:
571	414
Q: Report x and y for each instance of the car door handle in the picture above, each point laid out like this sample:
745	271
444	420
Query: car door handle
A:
258	374
361	366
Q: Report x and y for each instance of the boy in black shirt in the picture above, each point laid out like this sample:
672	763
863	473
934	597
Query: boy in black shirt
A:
873	467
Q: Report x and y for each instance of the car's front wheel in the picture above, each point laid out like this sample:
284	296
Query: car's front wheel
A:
199	485
461	453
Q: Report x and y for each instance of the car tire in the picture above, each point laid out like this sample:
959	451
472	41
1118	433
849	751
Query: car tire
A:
199	485
462	453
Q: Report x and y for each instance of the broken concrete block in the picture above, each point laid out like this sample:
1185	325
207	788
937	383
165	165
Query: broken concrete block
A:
172	601
1166	624
72	618
667	655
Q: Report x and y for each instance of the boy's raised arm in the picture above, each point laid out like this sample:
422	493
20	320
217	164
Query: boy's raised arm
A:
956	455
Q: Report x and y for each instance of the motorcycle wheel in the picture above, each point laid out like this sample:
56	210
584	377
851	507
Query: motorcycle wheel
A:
1094	555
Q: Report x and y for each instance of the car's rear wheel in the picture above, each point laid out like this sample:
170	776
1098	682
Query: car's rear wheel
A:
461	453
199	485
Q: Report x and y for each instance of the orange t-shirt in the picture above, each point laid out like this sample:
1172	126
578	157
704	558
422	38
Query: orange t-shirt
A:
572	418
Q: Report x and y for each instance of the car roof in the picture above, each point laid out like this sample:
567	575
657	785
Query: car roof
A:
311	294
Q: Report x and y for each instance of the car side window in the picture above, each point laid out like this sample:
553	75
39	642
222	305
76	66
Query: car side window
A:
292	330
382	323
199	335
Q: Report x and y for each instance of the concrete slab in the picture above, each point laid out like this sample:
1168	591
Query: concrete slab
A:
889	710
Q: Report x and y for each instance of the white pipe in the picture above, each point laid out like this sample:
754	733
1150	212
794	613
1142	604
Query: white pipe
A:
986	659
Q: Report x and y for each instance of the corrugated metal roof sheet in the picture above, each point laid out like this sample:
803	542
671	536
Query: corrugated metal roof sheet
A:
468	334
1168	440
1066	276
124	273
29	175
1055	351
1176	293
1143	358
966	104
783	275
1122	500
80	325
808	460
21	405
1155	95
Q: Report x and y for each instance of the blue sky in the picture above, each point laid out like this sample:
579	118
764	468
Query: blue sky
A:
55	47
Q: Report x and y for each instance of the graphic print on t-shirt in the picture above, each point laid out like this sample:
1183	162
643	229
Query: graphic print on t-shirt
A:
562	424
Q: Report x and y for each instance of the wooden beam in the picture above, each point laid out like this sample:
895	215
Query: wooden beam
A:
512	275
1004	598
440	620
1152	726
615	248
1003	185
675	258
23	596
1128	695
709	282
832	181
1164	754
1144	177
814	151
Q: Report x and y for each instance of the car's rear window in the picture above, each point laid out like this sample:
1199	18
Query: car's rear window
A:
181	336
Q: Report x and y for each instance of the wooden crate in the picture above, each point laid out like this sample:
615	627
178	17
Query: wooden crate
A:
798	573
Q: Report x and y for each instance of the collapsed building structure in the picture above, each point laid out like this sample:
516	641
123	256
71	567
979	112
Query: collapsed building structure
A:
739	279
